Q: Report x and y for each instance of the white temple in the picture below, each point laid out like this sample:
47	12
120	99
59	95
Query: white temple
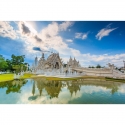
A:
54	66
52	62
73	63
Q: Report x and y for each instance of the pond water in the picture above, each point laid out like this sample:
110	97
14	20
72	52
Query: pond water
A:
43	91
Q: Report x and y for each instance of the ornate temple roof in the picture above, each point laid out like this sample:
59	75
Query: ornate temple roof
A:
53	58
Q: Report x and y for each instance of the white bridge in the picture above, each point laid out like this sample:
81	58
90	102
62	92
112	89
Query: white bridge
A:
106	72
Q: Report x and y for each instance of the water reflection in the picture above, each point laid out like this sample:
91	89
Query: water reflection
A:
42	90
13	86
53	88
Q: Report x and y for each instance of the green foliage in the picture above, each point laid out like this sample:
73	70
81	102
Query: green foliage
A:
16	64
91	67
3	63
9	63
17	60
98	66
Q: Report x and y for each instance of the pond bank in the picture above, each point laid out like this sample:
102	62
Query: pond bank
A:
10	77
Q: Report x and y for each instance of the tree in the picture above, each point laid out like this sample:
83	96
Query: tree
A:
91	67
18	63
98	66
17	60
3	63
9	63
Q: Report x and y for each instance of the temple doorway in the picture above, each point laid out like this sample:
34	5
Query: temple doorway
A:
57	65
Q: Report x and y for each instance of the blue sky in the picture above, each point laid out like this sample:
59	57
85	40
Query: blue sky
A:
90	42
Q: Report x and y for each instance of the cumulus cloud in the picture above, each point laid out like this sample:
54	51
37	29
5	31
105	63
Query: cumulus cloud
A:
78	35
37	38
24	28
69	40
51	39
104	32
6	30
81	35
103	59
28	32
48	38
65	25
84	36
50	31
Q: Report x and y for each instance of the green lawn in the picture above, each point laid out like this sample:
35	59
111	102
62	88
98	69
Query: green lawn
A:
8	77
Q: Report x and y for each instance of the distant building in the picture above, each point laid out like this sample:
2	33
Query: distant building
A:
73	63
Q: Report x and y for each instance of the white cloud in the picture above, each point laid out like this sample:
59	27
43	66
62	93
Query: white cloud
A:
32	24
121	88
6	30
50	39
81	35
65	25
78	35
84	36
89	59
50	31
69	40
104	32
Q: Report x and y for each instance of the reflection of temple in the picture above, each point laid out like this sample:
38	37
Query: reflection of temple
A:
73	87
53	88
40	83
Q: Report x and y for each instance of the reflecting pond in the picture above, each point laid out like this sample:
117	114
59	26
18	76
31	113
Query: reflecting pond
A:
43	91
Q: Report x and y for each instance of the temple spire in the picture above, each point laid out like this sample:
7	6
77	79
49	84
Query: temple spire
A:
43	55
124	64
36	61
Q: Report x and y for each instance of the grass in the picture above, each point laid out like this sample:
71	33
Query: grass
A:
75	78
27	75
9	77
115	79
6	77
